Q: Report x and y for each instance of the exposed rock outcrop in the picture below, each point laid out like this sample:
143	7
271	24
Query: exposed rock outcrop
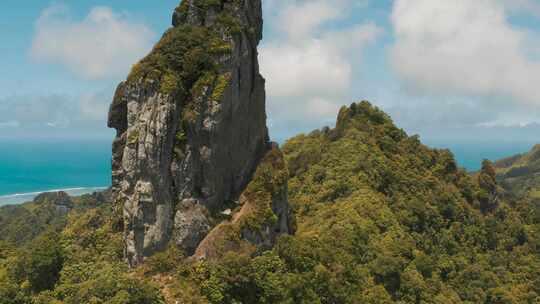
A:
60	200
191	126
262	215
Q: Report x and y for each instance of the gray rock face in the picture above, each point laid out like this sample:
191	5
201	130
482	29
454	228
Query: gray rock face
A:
167	174
264	214
266	237
191	225
60	200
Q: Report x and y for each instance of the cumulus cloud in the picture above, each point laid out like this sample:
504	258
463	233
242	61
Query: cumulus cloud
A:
294	71
309	64
300	21
463	47
103	44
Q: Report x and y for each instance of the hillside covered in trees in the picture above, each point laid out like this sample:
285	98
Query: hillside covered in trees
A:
379	218
520	174
204	208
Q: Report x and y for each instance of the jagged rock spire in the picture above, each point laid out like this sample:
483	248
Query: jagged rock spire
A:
191	126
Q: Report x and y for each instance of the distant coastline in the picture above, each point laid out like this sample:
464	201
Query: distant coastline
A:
30	167
19	198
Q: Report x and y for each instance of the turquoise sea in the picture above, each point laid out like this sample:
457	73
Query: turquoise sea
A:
469	155
28	167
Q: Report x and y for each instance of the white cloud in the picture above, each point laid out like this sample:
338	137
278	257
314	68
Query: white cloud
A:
293	71
103	44
463	47
299	21
309	64
315	66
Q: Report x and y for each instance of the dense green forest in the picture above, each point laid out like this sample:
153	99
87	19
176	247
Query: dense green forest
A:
519	174
377	217
380	218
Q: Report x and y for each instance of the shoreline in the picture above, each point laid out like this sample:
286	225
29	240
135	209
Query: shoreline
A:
19	198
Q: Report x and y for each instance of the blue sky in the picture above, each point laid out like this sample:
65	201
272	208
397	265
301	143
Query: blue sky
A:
448	70
17	28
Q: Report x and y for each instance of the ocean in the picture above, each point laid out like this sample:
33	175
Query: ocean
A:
470	155
28	168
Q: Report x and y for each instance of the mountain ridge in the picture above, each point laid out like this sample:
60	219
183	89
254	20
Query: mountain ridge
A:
205	209
380	218
519	174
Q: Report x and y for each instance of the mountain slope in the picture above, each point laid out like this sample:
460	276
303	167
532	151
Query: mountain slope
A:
380	217
520	174
377	203
20	224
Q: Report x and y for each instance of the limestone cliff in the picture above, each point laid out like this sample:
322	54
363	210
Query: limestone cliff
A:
191	126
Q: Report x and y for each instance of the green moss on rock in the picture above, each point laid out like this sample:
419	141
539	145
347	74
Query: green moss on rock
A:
133	137
229	23
220	47
221	84
180	143
170	83
190	113
269	181
178	59
203	84
187	52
